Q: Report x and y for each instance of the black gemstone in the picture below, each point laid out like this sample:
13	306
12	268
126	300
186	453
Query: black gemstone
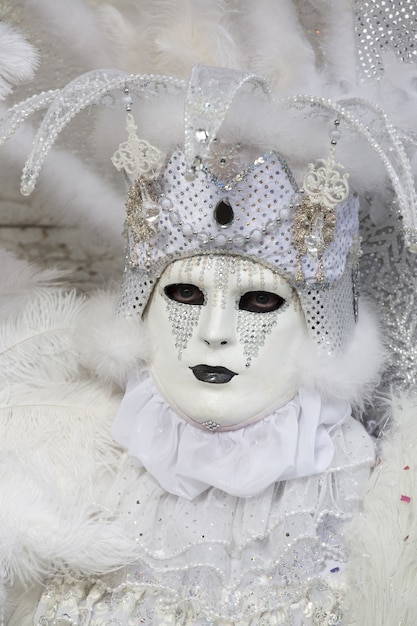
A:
223	213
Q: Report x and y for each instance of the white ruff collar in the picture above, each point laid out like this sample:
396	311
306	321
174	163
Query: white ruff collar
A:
295	441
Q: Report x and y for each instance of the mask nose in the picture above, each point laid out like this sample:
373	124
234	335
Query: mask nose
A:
216	343
218	327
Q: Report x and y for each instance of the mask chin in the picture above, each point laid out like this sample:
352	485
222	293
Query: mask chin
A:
223	414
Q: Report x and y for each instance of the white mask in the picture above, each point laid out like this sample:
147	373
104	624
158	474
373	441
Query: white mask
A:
225	334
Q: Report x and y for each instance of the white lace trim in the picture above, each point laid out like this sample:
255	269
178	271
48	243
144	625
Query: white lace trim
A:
293	442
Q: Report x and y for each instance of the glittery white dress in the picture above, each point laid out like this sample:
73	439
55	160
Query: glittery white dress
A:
112	546
218	559
221	559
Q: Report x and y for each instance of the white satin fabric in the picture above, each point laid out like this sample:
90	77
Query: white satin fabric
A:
293	442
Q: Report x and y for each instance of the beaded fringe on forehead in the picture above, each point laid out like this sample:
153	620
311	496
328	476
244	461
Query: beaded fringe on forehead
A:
223	267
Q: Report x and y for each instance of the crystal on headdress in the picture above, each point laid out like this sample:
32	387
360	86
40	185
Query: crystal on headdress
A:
142	211
223	213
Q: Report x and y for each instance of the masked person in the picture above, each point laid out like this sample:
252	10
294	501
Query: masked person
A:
242	349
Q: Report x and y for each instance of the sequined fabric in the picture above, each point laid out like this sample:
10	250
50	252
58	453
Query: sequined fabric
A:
383	26
388	277
220	560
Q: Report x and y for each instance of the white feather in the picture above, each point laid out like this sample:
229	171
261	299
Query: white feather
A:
69	192
41	526
76	26
276	45
26	599
76	416
18	59
337	39
57	458
163	37
19	280
397	91
36	339
382	570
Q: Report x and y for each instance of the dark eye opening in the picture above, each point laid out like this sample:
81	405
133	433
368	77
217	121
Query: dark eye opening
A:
260	302
184	293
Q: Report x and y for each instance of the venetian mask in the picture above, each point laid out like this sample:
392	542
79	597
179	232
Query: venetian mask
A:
226	334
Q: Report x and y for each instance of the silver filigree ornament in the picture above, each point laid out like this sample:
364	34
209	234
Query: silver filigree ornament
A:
324	187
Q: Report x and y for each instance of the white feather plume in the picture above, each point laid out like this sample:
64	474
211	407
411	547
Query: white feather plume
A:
275	44
336	41
75	25
76	416
383	539
36	339
69	191
20	280
160	36
40	526
18	59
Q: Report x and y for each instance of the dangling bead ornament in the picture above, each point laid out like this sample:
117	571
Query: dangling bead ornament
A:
137	157
324	187
143	162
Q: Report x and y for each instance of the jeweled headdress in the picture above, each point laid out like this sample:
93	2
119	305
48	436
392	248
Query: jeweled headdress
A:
218	193
214	197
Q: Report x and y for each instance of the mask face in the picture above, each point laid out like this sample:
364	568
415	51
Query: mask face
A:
225	335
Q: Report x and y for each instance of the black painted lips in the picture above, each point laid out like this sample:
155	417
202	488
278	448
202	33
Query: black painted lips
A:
214	374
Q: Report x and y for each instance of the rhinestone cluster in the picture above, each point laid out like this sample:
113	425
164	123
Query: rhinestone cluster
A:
183	320
253	329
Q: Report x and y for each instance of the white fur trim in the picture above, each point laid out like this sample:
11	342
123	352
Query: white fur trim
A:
110	345
352	375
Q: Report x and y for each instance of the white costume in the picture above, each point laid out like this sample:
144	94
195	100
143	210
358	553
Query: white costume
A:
186	453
